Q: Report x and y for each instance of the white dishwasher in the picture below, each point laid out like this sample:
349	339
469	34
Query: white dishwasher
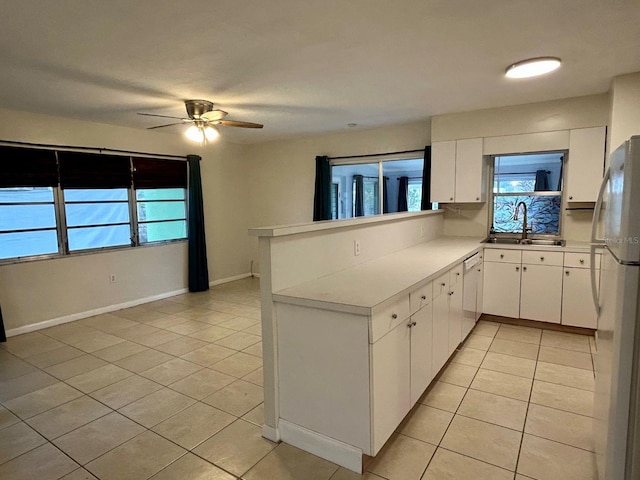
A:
470	293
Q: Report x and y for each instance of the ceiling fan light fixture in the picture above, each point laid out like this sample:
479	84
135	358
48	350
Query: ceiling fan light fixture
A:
533	67
195	134
211	133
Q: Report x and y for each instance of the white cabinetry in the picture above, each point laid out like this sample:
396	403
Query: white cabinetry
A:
541	287
458	171
456	312
421	346
501	292
586	163
577	307
440	352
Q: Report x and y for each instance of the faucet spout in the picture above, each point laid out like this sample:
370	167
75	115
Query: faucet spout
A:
524	219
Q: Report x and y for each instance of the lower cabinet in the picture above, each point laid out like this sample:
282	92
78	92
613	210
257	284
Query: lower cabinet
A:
456	315
440	348
501	289
421	346
541	293
577	308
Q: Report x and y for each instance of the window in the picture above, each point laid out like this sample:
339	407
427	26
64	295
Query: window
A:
162	214
534	179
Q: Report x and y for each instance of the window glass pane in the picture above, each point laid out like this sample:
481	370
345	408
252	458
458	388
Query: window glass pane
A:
25	217
97	194
149	211
412	169
26	194
84	238
343	176
25	244
160	194
543	214
96	213
414	197
528	173
162	231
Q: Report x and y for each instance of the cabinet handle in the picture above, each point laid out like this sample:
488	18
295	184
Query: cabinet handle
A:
501	255
571	198
542	259
567	273
517	269
424	297
442	284
477	198
458	274
451	293
409	325
394	316
451	199
524	269
582	260
479	270
413	324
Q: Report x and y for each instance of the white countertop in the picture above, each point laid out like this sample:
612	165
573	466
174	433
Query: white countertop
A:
571	246
364	288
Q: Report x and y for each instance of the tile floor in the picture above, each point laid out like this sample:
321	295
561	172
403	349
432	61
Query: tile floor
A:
173	390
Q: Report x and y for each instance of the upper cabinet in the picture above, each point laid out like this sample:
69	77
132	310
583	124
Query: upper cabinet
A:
586	163
458	171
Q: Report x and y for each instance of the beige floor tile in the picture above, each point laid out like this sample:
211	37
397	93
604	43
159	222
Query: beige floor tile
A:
236	448
98	437
157	338
193	313
255	350
139	458
517	349
69	416
238	364
98	378
256	377
42	400
144	360
502	384
107	322
426	423
255	416
180	346
168	307
503	411
239	323
76	366
203	383
207	356
444	396
498	362
236	398
570	358
447	465
483	441
469	356
140	314
563	375
30	344
7	418
67	331
569	341
286	462
488	329
79	474
239	340
402	458
213	333
165	322
95	340
43	463
18	386
125	391
188	327
564	427
593	345
193	425
171	371
120	350
156	407
457	374
546	460
13	367
215	318
519	334
18	439
563	398
190	467
137	331
255	329
480	342
344	474
59	355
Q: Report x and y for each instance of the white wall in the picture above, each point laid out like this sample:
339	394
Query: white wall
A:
625	109
33	292
565	114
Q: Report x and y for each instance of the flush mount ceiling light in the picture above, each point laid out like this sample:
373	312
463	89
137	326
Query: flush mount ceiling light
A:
532	67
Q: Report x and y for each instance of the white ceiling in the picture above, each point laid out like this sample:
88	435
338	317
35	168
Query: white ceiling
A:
304	66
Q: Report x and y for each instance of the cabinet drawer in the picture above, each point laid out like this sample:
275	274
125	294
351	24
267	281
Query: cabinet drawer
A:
534	257
502	255
387	317
441	285
455	275
420	297
580	260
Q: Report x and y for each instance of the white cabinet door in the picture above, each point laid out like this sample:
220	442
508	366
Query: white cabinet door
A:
501	289
391	387
443	171
479	290
421	345
577	309
469	171
456	314
541	293
440	331
585	165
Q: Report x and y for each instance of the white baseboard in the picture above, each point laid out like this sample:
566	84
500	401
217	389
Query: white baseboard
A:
340	453
220	281
270	433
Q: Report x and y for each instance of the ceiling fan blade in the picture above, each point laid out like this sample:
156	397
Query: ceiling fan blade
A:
214	115
163	116
167	125
235	123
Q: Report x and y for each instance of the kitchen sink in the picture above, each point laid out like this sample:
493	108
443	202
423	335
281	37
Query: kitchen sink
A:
528	241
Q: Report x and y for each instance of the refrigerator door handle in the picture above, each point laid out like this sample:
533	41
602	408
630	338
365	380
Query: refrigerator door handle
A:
596	242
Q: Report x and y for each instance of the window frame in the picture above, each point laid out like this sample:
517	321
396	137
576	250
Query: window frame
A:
550	193
136	228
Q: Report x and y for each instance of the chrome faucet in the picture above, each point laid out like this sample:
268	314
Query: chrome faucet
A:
524	220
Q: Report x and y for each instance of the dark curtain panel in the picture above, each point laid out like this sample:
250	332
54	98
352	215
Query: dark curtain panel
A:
542	181
159	173
3	335
385	197
402	194
90	170
28	167
198	270
322	196
426	180
560	177
358	208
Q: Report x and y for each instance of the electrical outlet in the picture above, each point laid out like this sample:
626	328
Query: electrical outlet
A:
356	247
112	278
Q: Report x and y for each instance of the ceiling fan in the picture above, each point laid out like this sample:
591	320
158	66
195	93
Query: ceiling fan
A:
204	119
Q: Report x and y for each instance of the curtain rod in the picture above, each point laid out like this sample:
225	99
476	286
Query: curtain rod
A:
522	173
411	178
375	154
99	149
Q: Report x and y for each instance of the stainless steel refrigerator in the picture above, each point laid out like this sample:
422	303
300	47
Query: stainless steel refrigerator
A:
616	235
